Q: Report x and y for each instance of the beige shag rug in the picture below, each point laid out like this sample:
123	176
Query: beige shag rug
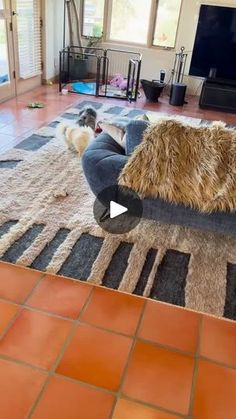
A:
47	188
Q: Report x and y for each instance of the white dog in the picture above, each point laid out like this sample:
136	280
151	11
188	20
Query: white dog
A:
76	137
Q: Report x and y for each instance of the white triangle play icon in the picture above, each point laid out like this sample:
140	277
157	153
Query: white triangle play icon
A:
116	209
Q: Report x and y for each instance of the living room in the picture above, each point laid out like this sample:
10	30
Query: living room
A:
117	210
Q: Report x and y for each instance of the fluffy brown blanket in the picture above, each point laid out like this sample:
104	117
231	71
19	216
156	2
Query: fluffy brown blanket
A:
195	166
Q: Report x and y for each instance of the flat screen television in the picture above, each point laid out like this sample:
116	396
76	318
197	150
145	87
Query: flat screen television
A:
214	52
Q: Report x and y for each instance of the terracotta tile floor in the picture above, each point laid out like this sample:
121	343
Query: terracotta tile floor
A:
18	122
70	350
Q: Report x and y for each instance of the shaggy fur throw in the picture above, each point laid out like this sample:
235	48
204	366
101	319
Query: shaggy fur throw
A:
194	166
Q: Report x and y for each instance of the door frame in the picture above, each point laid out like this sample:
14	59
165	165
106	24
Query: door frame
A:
16	85
8	89
24	85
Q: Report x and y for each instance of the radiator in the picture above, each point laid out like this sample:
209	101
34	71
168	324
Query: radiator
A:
118	63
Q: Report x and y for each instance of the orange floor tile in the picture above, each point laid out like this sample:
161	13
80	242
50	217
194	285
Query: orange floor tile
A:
52	290
67	399
176	328
7	313
126	409
18	122
35	338
69	350
215	392
137	359
100	360
159	377
219	341
16	283
114	311
20	386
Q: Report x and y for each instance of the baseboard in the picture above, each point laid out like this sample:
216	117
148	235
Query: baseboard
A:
53	80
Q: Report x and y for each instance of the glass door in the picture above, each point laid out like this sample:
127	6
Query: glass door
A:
20	47
7	80
26	18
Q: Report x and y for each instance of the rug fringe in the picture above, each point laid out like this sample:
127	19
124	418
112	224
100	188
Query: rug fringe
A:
28	257
206	276
63	251
100	265
160	254
136	261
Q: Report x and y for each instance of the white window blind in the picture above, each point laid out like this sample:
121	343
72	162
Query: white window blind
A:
29	37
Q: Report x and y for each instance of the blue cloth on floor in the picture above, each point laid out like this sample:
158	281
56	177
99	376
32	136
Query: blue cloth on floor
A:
83	87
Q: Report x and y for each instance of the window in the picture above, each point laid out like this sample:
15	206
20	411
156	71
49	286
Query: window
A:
130	20
93	12
166	23
141	22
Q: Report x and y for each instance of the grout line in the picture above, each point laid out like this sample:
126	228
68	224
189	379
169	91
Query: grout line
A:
114	406
132	336
139	339
219	363
10	324
81	321
75	324
84	383
38	310
125	371
195	369
153	406
43	388
141	297
23	363
93	326
48	313
121	395
166	347
21	307
60	354
34	289
7	301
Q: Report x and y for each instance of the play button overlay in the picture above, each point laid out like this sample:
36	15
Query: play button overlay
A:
118	209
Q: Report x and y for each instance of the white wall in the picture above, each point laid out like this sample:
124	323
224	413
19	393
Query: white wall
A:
53	36
153	59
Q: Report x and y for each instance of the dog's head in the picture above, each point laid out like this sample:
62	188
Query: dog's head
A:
87	117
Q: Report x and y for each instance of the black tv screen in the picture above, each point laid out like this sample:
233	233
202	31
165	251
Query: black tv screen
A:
214	52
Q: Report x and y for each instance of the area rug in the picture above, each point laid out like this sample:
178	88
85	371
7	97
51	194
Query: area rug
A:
47	223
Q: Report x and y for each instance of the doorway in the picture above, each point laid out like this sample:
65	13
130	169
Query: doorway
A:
20	47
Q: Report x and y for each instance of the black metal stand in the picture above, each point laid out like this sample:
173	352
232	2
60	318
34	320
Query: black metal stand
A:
179	66
178	88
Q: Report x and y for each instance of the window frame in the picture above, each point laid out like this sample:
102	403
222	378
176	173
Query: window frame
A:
177	27
115	41
82	7
107	18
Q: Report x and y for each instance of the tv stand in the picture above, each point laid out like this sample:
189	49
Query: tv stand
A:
219	94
